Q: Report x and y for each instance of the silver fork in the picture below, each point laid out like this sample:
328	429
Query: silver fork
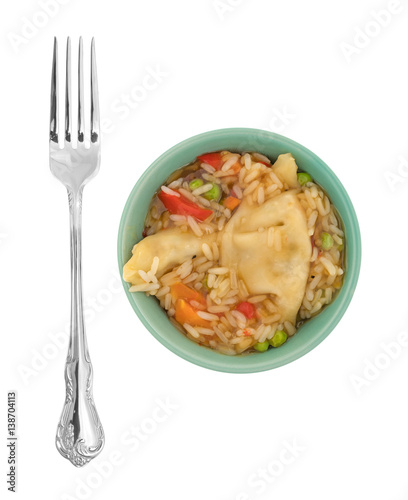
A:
80	435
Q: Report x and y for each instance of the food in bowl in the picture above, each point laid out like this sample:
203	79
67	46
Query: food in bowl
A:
240	252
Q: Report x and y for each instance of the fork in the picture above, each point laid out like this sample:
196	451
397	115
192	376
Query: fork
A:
80	435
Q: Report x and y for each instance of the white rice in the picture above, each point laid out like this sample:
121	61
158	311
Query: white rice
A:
207	167
211	280
167	301
310	199
191	330
270	189
238	191
312	219
144	276
239	316
257	298
233	279
290	329
229	163
178	218
175	184
221	173
275	179
194	226
215	251
188	195
220	335
230	318
204	331
251	188
247	161
202	189
167	190
331	269
261	157
261	195
336	230
152	277
155	265
207	251
253	174
163	291
218	270
207	316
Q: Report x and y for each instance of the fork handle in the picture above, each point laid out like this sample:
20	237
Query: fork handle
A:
80	435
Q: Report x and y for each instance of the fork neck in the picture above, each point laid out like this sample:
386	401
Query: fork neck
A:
78	347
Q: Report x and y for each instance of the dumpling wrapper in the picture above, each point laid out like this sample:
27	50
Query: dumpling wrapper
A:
286	169
172	246
263	269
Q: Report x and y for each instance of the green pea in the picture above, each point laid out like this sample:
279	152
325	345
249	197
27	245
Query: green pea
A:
327	241
214	193
262	346
304	178
196	183
278	339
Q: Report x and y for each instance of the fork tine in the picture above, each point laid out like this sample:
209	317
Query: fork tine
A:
68	93
80	93
54	95
94	96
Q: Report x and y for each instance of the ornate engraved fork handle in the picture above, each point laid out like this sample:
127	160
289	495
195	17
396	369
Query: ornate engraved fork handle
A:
80	435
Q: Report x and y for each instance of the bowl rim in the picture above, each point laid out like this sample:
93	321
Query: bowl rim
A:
256	362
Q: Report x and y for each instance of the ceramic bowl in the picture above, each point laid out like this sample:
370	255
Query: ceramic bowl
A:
148	309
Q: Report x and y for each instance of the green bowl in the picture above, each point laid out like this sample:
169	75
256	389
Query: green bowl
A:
148	308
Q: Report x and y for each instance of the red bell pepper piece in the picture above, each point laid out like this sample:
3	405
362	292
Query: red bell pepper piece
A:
247	309
213	159
181	205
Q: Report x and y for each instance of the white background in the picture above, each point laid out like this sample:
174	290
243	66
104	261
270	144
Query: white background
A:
278	66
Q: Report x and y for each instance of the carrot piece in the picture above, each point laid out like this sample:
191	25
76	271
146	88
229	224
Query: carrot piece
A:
185	313
182	291
231	202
